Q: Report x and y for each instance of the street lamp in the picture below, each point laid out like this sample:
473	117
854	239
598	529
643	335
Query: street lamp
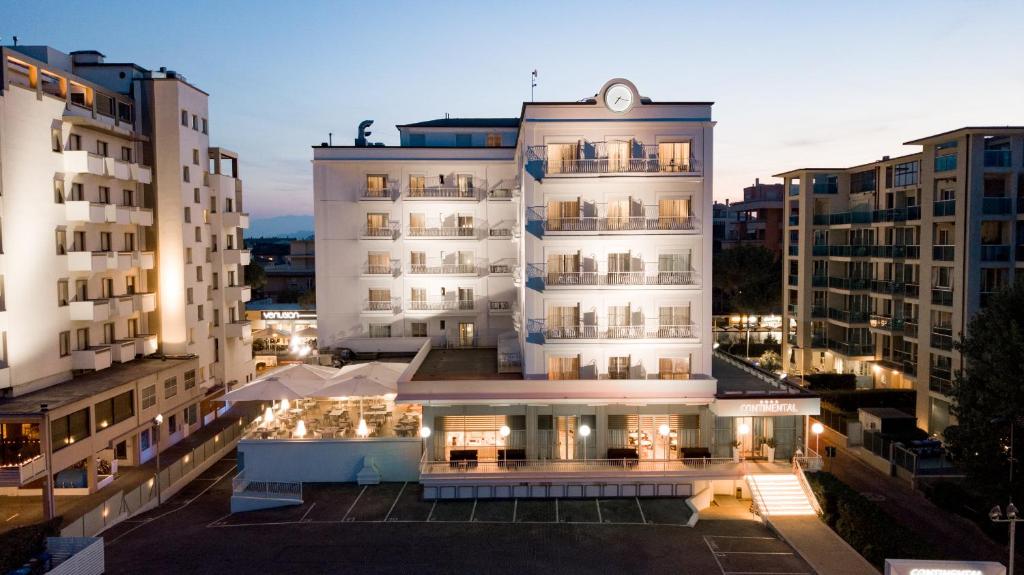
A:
817	428
584	433
425	432
996	515
158	420
504	431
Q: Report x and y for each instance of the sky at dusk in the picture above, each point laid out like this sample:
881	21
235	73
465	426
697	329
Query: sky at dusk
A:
795	83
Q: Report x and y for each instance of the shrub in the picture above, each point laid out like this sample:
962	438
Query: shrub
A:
770	361
864	525
23	543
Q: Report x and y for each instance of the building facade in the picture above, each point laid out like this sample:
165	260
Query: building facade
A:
756	221
121	236
887	262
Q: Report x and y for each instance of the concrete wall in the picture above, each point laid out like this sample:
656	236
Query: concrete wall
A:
331	461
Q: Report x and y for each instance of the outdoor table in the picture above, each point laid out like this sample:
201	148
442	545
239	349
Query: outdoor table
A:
336	412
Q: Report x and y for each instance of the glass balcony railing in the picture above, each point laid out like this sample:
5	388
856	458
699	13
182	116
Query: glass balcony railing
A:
794	250
943	253
940	382
819	250
887	323
794	219
852	284
887	287
998	159
819	281
821	219
850	251
942	297
944	208
851	349
848	316
995	253
913	213
911	289
997	206
794	280
819	312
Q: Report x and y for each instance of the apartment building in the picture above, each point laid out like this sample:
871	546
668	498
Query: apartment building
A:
121	238
887	262
755	221
559	265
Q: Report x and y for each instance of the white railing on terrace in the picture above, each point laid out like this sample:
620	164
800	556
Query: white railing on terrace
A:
629	278
389	192
390	268
389	231
593	159
444	193
594	218
574	465
443	231
641	331
500	305
393	305
242	487
440	304
439	268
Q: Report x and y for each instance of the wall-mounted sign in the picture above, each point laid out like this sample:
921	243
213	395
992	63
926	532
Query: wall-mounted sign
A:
282	314
749	407
921	567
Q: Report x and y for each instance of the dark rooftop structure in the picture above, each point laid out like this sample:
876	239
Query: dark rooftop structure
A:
747	381
465	123
461	364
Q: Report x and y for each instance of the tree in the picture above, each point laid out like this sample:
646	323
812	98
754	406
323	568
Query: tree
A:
747	279
255	276
307	299
770	361
988	397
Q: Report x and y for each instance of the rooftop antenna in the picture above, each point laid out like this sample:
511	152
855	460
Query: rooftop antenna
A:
15	40
533	83
330	138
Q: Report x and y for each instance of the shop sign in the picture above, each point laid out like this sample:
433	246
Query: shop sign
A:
289	314
921	567
766	407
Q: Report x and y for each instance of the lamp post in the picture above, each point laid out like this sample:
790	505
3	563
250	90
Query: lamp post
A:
817	428
584	431
157	422
996	515
45	440
663	431
504	431
424	435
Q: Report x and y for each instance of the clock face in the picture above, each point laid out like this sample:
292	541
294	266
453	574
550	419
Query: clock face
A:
618	98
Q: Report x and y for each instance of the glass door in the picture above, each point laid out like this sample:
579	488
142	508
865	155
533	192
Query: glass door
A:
466	334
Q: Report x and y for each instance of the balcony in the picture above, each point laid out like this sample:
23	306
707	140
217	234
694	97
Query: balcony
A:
128	260
819	312
850	251
886	323
618	278
911	290
503	193
141	216
122	306
649	330
849	284
235	220
998	159
144	302
794	250
93	358
239	330
382	306
440	304
793	280
794	219
392	268
83	162
499	308
819	250
851	349
912	252
381	232
90	310
593	158
118	168
941	380
944	208
83	211
441	230
389	192
792	308
995	253
147	260
238	293
79	261
598	221
997	206
145	344
123	351
943	253
886	251
142	174
503	230
889	215
236	257
848	316
942	296
942	337
845	218
910	328
888	287
438	268
441	192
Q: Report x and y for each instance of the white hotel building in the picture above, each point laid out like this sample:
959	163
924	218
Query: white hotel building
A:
560	265
121	238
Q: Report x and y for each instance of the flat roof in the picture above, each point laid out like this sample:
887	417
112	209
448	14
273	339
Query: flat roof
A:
88	385
464	123
887	413
461	364
734	381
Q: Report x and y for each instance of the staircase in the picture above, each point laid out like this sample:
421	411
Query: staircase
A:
779	495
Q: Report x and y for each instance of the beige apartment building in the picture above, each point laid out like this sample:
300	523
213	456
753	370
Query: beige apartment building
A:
887	262
121	238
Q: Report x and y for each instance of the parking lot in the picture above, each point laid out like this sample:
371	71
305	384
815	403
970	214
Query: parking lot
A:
389	529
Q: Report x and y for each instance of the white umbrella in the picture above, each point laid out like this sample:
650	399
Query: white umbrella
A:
270	333
308	332
266	389
290	382
363	380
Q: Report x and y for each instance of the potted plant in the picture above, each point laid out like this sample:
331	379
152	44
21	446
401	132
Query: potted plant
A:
769	448
736	451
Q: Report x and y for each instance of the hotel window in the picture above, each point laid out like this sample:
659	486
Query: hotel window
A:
195	195
64	339
945	163
101	148
562	158
199	234
185	174
464	182
216	317
376	222
129	242
674	157
673	318
376	185
195	156
674	368
77	192
380	330
148	396
190	379
195	122
58	191
418	329
189	296
905	174
199	312
188	215
105	243
114	410
674	214
618	367
188	255
55	139
82	338
107	287
62	293
493	140
103	192
184	118
124	112
74	142
199	273
463	140
170	387
172	424
417	186
62	241
126	153
192	414
564	368
66	430
129	284
128	197
81	290
108	333
79	244
206	126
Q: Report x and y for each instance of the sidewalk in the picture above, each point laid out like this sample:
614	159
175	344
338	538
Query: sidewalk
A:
823	550
29	510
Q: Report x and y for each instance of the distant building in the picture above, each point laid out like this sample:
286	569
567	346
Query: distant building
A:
756	221
291	275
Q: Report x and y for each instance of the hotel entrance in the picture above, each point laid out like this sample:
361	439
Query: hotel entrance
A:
759	437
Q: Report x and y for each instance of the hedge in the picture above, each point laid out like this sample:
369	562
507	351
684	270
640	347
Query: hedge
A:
20	544
865	526
852	399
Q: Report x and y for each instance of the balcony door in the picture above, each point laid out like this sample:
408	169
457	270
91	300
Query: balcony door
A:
619	322
674	214
380	298
376	221
674	367
466	299
617	152
564	367
563	269
418	262
467	334
674	321
673	268
417	185
563	321
464	182
376	186
562	214
562	157
378	262
674	156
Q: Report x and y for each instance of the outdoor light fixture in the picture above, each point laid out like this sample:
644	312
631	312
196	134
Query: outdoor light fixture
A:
158	420
362	430
268	416
996	515
743	429
424	432
584	432
300	429
285	405
817	428
663	430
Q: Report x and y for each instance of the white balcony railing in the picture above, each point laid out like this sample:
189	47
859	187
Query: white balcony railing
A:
391	305
441	230
650	277
556	466
391	268
440	304
598	158
650	330
441	268
387	231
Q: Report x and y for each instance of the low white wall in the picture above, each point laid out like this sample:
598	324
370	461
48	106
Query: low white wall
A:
329	461
703	495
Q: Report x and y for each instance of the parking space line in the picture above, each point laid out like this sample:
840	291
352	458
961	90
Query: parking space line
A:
351	507
598	504
765	573
643	519
431	514
515	509
395	502
303	518
556	510
472	513
714	554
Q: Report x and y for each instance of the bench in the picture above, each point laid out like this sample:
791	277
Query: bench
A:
510	457
695	453
462	458
626	457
